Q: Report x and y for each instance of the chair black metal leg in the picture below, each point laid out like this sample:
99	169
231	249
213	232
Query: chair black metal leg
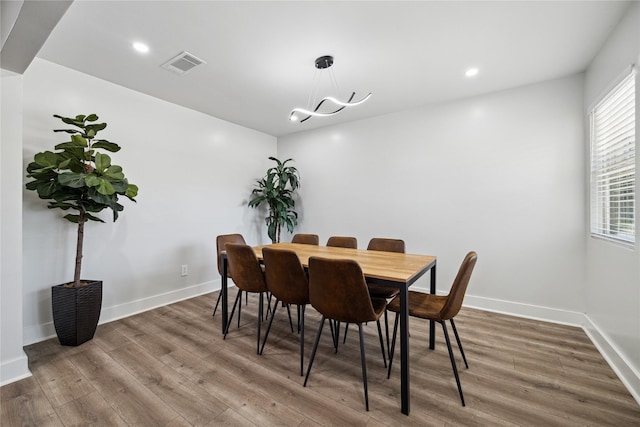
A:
273	314
298	309
335	333
269	309
289	313
313	352
346	328
384	356
455	332
363	362
386	328
453	360
260	308
217	302
246	295
393	345
232	311
301	317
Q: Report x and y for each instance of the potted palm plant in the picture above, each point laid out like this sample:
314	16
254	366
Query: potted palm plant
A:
276	189
79	178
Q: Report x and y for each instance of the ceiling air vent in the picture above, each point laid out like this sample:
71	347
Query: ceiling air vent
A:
182	63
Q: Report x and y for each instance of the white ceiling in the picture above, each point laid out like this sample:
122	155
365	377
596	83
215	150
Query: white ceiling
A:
260	54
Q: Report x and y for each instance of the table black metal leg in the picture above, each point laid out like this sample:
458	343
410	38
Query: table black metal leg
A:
404	349
432	324
223	290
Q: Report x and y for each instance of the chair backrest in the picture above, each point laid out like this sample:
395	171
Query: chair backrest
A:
343	242
245	268
286	278
337	290
221	240
307	239
386	245
459	288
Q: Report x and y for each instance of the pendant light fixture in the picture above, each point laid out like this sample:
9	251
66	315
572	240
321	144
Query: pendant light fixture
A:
331	104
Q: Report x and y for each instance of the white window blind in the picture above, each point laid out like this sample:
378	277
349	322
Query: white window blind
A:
613	170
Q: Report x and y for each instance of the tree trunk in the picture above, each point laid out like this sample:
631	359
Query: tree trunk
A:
76	275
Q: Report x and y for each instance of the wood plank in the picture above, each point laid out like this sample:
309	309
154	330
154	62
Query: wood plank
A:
133	402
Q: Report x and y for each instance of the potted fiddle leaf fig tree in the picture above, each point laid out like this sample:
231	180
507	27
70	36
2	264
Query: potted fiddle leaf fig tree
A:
276	189
79	178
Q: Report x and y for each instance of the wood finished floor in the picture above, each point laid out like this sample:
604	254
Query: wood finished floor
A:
170	367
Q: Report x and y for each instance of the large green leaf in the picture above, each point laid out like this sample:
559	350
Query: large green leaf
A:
102	161
61	205
72	179
72	218
132	191
114	172
120	185
46	189
90	217
76	154
105	187
47	158
38	172
92	180
79	140
106	145
102	199
97	127
72	131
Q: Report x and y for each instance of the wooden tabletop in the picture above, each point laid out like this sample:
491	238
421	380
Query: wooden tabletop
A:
389	266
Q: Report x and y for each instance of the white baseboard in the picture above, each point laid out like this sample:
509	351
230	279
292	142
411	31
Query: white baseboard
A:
45	331
14	370
629	376
529	311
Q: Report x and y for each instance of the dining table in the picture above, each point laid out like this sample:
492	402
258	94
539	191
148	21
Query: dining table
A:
398	270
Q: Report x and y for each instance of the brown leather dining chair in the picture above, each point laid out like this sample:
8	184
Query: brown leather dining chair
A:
248	276
439	308
380	291
386	245
287	281
220	242
307	239
338	291
343	242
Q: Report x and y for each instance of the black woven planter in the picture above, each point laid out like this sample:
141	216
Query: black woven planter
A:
76	311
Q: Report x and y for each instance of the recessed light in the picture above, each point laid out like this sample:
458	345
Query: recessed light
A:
141	47
471	72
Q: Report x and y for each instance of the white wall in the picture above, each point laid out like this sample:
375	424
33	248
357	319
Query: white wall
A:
195	174
13	361
613	272
501	174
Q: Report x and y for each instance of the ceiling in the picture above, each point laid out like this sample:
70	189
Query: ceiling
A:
260	55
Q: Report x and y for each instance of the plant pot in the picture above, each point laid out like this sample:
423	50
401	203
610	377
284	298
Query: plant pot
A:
76	311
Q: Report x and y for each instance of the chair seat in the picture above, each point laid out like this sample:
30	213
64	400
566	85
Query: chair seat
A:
380	291
379	304
422	305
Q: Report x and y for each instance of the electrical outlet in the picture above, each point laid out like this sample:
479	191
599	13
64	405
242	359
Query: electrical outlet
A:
185	270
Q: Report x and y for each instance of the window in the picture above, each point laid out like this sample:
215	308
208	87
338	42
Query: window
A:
613	170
